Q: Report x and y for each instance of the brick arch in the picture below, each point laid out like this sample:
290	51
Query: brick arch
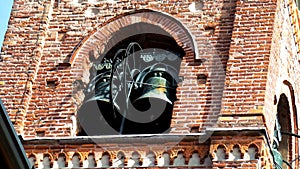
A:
51	159
292	104
292	120
285	88
35	158
98	38
284	93
235	146
49	155
256	147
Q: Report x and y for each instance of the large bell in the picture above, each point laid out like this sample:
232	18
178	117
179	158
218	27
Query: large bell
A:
96	108
155	89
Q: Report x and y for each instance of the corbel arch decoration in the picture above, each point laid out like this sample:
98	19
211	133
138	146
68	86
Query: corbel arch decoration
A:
129	71
61	160
47	160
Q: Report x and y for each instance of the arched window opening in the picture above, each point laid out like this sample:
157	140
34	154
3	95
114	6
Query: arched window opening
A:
91	162
61	161
149	160
220	153
135	160
282	143
76	160
133	84
235	153
194	159
47	161
180	159
32	160
119	161
252	152
105	160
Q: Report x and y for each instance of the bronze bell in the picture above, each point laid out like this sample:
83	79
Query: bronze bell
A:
102	89
156	87
96	108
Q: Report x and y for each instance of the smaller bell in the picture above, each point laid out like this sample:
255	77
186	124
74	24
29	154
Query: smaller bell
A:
155	89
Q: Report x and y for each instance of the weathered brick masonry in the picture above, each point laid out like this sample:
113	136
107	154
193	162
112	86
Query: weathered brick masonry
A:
238	76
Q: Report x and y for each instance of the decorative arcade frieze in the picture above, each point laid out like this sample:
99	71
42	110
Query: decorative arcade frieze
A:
139	151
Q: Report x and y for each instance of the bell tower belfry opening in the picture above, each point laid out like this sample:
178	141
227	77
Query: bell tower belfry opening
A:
154	84
132	86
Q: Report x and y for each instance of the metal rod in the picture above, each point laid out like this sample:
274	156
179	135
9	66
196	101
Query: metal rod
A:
294	135
290	134
295	160
130	46
287	163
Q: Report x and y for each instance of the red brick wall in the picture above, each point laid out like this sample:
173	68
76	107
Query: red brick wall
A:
21	57
247	67
283	70
46	45
60	29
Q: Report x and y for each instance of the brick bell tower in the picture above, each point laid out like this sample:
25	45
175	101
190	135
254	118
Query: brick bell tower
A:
154	84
